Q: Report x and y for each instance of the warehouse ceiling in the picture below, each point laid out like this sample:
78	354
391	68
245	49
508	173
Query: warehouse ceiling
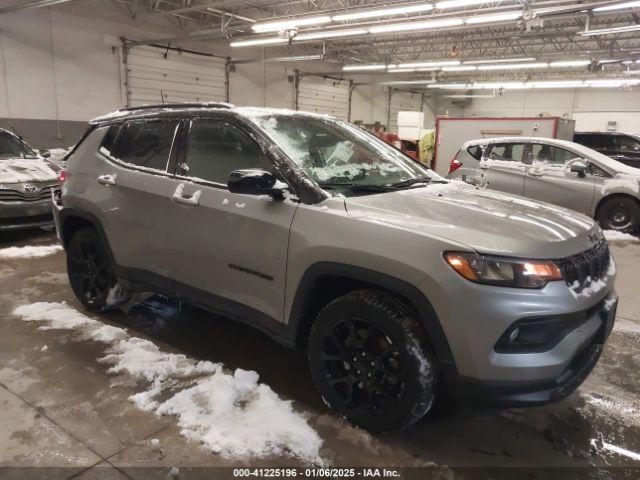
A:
378	33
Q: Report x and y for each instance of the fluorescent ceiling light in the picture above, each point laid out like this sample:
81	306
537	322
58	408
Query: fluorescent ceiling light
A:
500	85
496	17
607	31
403	27
383	12
458	3
618	6
258	41
514	66
330	34
295	58
557	84
355	68
570	63
499	60
460	68
444	63
290	23
409	82
612	82
450	86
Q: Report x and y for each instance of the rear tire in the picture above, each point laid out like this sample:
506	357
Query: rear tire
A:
620	213
91	274
369	360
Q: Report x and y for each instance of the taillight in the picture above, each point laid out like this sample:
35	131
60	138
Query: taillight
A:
455	163
62	176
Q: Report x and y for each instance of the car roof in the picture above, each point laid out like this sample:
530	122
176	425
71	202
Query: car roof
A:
154	110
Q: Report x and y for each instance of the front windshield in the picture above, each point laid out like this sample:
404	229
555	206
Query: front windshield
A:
12	147
334	153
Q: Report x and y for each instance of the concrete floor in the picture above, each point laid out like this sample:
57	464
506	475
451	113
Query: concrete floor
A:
60	409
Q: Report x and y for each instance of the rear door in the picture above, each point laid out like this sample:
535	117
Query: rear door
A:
502	167
227	250
549	178
131	185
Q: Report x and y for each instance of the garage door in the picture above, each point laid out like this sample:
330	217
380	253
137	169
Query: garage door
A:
402	101
324	95
180	77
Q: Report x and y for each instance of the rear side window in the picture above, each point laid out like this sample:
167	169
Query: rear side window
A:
109	139
475	151
549	154
215	148
145	143
507	151
627	144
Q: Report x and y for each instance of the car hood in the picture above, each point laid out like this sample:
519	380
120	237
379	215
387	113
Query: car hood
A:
486	221
22	170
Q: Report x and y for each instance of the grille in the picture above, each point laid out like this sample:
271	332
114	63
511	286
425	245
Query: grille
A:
584	268
21	196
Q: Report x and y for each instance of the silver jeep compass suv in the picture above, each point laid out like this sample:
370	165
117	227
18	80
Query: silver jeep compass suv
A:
400	286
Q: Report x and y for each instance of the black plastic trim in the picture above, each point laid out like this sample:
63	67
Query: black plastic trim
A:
426	314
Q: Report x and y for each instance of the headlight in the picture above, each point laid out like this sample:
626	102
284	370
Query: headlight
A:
503	271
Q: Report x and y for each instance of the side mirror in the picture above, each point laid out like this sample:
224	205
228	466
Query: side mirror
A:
580	168
45	153
256	182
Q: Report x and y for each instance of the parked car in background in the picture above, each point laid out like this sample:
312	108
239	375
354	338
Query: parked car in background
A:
555	171
397	284
622	147
27	181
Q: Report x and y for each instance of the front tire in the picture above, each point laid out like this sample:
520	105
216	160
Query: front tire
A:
369	360
620	213
91	275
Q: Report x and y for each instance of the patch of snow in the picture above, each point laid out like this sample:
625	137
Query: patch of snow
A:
622	182
229	413
593	287
29	251
627	412
615	235
240	205
626	326
116	295
21	170
44	349
225	201
238	416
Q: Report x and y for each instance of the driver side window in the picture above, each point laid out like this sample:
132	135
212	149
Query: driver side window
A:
216	148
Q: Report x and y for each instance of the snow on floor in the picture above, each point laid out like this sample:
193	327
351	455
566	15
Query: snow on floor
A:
229	413
612	235
29	251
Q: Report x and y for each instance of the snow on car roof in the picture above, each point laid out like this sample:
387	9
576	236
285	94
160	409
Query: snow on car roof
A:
154	109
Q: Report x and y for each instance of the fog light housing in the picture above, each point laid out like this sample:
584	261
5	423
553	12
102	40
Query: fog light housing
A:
534	335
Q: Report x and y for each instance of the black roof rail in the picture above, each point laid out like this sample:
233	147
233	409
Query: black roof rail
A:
178	105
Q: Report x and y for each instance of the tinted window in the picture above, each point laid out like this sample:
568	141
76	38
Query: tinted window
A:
145	143
216	148
507	151
627	144
109	139
475	152
549	154
594	140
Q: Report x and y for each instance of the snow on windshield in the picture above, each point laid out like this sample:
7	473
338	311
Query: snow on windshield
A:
330	151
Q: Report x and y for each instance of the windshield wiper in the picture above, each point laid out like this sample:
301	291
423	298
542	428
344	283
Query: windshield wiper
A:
356	187
414	181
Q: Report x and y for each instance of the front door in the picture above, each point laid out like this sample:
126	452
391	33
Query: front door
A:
227	250
502	167
549	178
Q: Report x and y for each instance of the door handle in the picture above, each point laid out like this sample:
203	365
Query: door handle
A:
192	201
535	173
107	180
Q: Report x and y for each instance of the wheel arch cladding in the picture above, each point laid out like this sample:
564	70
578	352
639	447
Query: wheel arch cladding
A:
73	220
324	281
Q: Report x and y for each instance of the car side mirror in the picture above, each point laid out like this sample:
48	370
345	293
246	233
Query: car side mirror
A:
256	181
580	168
45	153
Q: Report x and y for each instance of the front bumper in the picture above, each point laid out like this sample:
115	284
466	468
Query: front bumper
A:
506	394
18	215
